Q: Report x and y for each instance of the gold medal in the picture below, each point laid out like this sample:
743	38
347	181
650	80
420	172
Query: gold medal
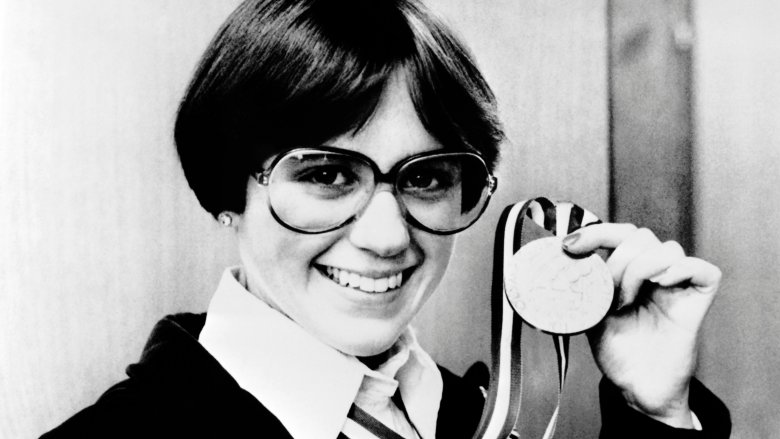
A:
555	292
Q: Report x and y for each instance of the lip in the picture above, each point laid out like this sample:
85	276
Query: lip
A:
372	275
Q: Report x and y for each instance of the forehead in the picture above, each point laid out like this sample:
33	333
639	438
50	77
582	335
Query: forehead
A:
393	132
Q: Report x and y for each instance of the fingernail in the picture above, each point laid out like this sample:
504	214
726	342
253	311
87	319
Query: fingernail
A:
658	277
617	301
570	239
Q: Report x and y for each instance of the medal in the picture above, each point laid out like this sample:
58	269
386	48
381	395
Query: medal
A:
555	292
536	283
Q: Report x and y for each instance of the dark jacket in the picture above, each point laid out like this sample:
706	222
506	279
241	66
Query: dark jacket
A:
178	389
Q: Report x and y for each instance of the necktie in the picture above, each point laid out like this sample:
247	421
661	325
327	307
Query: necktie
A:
375	415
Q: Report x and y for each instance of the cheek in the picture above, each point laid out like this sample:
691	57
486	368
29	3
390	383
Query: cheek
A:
274	257
438	251
283	255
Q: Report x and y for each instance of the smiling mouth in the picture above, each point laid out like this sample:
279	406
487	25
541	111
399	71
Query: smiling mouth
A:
364	283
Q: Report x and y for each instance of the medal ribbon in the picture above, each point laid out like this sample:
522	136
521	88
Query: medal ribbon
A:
502	406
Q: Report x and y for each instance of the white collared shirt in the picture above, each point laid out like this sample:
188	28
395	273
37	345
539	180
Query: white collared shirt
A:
308	385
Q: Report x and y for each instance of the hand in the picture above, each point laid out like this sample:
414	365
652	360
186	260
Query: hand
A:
648	344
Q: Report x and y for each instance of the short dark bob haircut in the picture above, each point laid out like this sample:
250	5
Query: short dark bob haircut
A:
287	73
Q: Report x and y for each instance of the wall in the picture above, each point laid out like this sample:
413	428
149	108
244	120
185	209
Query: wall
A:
650	111
100	237
737	158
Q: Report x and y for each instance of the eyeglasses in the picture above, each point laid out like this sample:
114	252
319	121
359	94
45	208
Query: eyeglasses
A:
317	190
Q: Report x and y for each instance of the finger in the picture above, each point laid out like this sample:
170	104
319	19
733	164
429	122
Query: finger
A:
702	275
592	237
629	249
654	260
690	286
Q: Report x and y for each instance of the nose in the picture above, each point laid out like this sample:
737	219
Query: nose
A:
381	228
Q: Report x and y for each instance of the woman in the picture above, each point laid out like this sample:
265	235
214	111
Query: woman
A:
346	143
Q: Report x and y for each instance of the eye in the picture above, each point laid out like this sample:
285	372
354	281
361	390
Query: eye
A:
327	175
422	180
429	176
430	180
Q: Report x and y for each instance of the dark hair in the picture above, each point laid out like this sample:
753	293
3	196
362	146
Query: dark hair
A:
286	73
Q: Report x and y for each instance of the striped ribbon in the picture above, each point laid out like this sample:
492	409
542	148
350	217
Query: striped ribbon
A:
370	423
502	406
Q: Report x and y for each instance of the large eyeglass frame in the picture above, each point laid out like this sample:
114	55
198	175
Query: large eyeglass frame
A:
263	178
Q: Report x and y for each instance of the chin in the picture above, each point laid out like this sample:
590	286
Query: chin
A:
367	340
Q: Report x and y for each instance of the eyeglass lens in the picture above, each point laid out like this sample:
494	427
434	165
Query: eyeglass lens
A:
316	191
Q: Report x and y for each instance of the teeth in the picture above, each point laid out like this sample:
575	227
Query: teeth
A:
343	278
363	283
367	284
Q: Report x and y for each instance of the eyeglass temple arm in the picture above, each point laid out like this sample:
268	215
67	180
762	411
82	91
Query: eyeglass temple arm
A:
262	177
492	184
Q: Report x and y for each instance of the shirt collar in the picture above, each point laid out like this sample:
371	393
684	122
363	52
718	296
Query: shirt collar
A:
418	379
308	385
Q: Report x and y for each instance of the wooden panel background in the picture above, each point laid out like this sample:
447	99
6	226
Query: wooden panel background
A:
100	237
737	164
650	110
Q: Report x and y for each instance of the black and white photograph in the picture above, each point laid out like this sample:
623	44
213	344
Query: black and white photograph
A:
389	219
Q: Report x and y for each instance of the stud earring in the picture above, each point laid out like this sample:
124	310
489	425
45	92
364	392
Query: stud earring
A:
225	219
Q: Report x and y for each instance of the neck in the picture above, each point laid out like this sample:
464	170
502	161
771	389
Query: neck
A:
374	361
